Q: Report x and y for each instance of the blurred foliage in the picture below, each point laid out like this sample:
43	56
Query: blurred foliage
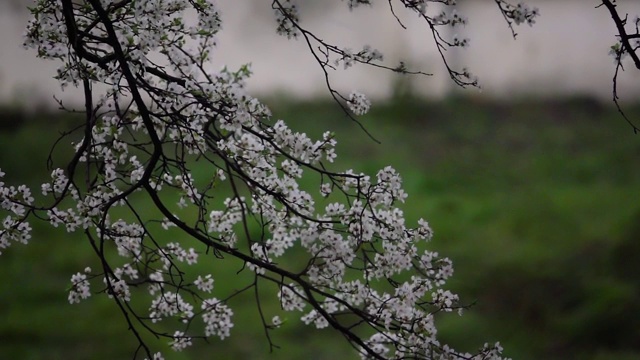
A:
535	202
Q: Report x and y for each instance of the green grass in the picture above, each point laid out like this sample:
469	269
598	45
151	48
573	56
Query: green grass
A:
535	202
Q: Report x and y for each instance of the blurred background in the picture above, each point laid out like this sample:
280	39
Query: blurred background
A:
531	184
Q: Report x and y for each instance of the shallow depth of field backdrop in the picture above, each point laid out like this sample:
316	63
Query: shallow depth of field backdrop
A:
531	186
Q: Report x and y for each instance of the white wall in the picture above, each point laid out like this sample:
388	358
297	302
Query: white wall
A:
565	53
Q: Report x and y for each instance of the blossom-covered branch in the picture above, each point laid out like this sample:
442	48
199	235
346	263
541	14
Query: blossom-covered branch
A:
170	149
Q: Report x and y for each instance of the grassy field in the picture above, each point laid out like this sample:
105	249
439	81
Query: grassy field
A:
535	202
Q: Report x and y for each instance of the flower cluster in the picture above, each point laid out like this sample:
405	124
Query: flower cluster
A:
358	103
79	287
217	318
348	58
451	18
156	356
520	13
180	341
169	304
16	202
287	16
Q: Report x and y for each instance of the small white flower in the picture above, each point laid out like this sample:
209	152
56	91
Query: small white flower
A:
276	321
